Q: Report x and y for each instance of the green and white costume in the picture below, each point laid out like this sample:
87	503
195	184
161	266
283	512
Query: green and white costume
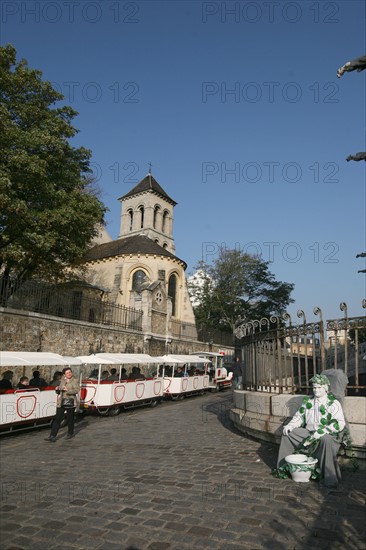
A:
317	427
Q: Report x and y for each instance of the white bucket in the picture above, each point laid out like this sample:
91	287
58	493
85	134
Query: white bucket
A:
301	467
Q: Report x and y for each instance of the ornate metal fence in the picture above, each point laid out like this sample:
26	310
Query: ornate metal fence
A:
280	356
66	302
183	330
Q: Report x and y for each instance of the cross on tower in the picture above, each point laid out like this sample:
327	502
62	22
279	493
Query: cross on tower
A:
150	165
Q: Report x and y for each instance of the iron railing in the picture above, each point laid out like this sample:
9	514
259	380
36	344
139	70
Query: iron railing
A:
66	301
180	329
216	336
282	358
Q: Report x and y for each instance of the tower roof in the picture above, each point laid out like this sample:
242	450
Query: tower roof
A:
148	183
138	244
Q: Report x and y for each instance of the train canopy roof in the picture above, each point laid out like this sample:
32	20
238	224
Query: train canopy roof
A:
129	358
209	353
35	358
183	359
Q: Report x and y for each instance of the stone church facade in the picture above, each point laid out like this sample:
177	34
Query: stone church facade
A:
140	269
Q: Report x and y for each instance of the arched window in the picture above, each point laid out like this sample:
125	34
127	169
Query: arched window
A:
130	214
172	292
157	241
165	246
142	212
138	279
155	219
164	227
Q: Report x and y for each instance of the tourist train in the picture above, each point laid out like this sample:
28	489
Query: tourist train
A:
105	385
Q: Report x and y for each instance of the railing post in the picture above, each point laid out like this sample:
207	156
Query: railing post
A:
301	313
318	311
275	319
343	307
287	317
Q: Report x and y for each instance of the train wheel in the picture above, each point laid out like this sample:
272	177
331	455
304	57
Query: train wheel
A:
103	412
114	411
154	403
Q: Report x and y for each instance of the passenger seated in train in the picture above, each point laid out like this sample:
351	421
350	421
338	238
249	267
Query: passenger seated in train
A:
136	374
23	383
168	371
37	381
56	379
94	374
179	373
140	375
105	375
5	383
123	374
113	377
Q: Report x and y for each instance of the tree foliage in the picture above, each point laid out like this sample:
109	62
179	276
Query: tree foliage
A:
49	209
361	334
235	288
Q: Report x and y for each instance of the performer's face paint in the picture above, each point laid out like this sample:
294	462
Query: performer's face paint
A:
320	390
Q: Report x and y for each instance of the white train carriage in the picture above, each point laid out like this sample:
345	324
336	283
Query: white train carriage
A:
108	396
219	377
27	408
192	380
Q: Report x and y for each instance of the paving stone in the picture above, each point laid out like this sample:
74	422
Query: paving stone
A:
170	517
20	542
57	525
10	527
66	537
200	531
225	535
250	521
110	546
175	526
76	519
159	545
154	522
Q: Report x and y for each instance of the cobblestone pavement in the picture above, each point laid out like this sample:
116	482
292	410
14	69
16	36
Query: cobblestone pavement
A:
177	476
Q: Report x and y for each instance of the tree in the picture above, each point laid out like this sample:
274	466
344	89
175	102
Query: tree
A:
235	288
49	209
361	335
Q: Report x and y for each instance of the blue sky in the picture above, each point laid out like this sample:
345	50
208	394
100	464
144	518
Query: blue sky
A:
237	106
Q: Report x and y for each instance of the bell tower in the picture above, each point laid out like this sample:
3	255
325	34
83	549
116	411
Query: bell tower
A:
148	210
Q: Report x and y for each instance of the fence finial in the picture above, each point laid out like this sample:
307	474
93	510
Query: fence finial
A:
301	313
343	307
265	321
318	311
275	319
287	317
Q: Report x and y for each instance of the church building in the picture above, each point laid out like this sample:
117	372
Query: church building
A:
140	269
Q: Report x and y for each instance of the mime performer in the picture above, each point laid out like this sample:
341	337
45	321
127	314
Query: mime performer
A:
317	427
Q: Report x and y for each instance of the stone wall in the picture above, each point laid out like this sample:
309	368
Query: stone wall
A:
158	322
28	331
